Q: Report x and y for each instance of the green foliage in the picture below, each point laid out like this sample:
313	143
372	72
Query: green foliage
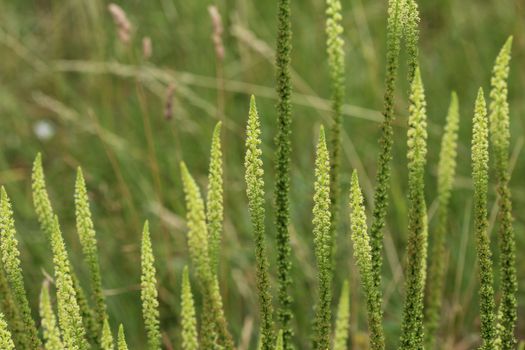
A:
188	320
6	343
86	233
343	319
480	167
149	294
363	257
500	137
199	252
78	329
50	330
322	244
106	339
437	257
282	167
336	66
69	316
46	218
13	271
386	140
122	339
214	206
415	271
255	192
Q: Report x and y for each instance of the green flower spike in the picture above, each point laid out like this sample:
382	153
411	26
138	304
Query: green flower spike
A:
499	119
386	141
13	271
214	206
189	322
336	66
363	257
69	316
282	167
412	332
199	253
480	167
106	339
88	241
49	324
149	294
255	191
323	245
122	339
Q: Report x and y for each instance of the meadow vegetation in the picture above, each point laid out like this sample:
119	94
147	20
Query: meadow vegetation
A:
330	236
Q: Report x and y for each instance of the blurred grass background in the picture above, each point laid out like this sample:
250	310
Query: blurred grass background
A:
71	90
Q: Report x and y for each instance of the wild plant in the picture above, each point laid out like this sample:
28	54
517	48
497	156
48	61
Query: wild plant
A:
322	238
85	323
499	121
149	294
282	167
480	167
363	257
255	192
188	322
386	139
336	64
415	272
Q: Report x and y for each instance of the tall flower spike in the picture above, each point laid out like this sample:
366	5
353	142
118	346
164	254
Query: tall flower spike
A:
69	317
255	191
46	219
322	243
336	66
343	319
88	241
149	295
198	243
411	33
480	167
363	257
214	206
412	326
6	343
199	253
122	339
189	323
106	339
445	181
386	140
500	137
13	271
282	167
41	201
49	324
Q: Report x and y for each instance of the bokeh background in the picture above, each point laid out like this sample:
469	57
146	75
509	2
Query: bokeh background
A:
69	88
